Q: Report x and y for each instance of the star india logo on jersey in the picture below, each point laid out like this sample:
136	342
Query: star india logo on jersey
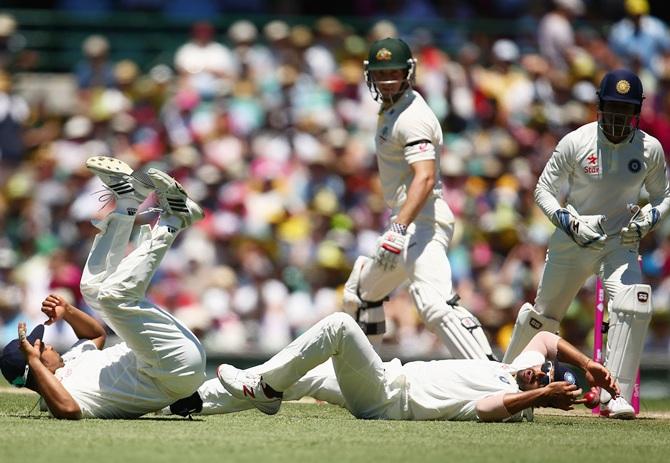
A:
384	54
591	166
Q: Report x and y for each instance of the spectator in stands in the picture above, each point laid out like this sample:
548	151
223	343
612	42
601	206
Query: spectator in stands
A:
555	35
96	71
640	37
13	114
207	65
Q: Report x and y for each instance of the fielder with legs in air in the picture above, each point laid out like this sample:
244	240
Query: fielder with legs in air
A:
159	360
414	247
606	165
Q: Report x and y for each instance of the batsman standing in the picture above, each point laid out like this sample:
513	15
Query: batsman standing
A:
606	165
414	247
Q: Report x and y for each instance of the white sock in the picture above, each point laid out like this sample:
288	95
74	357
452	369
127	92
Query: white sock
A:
127	205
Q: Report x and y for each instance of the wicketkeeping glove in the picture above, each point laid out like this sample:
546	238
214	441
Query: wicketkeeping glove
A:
585	230
642	222
391	245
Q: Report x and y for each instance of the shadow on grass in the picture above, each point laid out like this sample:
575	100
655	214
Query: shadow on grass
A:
144	418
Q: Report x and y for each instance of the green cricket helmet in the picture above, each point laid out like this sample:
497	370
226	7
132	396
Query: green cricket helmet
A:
386	54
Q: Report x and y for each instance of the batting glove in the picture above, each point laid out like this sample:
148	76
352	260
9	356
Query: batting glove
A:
585	230
391	245
642	222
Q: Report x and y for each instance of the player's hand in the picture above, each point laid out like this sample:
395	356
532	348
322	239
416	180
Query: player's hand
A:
563	395
391	244
54	307
599	376
642	222
29	351
585	230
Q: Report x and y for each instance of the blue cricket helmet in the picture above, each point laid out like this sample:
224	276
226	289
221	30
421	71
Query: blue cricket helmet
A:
623	86
12	361
557	371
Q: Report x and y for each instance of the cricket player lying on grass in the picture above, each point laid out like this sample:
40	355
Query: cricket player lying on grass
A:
160	360
464	389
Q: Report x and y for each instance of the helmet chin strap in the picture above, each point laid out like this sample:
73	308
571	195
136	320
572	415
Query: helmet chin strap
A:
392	99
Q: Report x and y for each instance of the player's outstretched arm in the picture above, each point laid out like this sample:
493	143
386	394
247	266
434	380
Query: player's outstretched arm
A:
596	374
58	399
85	327
559	394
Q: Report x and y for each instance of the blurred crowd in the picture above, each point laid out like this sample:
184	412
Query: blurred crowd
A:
271	128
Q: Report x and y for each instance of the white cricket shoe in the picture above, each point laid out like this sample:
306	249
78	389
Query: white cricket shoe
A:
173	199
618	408
244	385
120	178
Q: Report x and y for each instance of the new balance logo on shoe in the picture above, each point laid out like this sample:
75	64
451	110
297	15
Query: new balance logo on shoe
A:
248	392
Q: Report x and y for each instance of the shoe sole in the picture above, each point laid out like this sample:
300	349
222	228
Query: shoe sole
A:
106	165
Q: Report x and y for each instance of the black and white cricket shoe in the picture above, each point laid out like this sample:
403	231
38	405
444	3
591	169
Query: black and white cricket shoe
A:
173	200
120	178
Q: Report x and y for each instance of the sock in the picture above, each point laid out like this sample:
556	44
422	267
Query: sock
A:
173	223
127	205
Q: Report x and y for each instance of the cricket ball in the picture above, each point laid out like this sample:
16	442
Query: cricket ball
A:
592	399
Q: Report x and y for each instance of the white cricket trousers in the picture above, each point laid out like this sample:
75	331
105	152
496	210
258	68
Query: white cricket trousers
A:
319	383
115	286
368	389
568	266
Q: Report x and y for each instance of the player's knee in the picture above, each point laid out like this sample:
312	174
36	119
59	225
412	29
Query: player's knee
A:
340	322
341	319
633	299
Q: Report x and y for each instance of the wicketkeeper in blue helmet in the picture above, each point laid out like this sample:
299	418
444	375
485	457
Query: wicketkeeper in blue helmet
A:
599	224
619	104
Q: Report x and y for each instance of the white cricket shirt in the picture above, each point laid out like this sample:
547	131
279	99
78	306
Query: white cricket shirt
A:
603	177
450	389
409	132
108	384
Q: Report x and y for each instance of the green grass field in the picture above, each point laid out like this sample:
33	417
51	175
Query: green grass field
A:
325	433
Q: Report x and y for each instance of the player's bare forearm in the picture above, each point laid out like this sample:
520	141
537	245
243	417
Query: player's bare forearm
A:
596	374
419	189
85	326
570	354
58	399
560	394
